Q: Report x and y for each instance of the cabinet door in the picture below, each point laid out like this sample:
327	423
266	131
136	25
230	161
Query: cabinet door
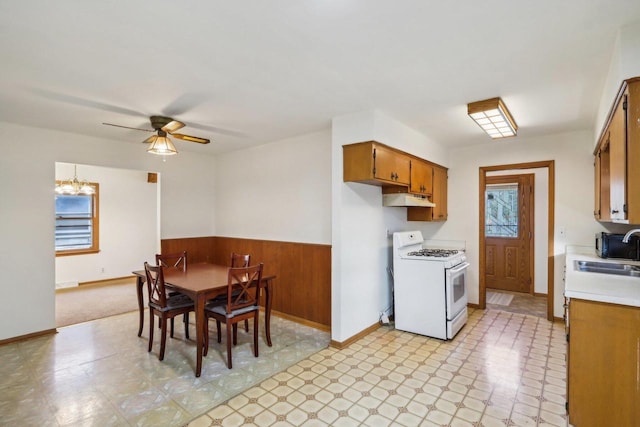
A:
633	152
618	162
602	364
391	166
596	189
421	178
439	196
602	202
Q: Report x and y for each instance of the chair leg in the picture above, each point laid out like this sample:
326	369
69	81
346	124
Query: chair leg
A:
151	316
185	320
235	334
171	327
205	350
219	331
246	325
255	335
229	345
163	338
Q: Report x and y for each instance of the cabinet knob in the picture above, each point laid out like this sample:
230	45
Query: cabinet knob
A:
614	211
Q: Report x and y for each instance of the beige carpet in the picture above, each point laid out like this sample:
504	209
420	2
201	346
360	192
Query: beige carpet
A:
90	302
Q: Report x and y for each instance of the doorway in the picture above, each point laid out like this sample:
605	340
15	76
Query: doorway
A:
509	232
485	179
90	286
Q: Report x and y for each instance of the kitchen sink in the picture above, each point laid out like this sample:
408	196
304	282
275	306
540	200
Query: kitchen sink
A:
607	268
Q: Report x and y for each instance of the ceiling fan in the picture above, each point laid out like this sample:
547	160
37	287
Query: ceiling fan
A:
163	126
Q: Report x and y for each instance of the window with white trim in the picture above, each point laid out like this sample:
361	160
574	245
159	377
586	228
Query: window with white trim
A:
77	223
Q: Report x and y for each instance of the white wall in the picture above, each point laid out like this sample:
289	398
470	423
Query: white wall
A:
279	191
27	176
361	285
573	157
625	64
128	224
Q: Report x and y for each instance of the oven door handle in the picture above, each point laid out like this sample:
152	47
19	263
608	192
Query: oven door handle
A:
459	268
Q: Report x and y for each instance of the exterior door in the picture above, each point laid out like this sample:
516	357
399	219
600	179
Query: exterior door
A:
508	223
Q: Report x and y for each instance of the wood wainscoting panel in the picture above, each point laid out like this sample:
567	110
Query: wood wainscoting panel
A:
199	249
303	274
303	270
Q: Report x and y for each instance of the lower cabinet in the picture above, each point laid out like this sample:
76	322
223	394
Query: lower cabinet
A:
603	364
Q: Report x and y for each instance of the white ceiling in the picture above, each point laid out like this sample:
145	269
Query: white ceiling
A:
249	72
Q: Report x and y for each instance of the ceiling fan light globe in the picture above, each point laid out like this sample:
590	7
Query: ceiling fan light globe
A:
162	146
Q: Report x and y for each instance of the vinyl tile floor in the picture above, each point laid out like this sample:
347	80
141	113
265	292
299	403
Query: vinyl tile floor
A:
522	303
502	369
99	373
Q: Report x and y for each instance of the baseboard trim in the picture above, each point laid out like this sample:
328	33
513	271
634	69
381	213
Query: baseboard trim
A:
539	294
300	320
343	344
469	305
105	281
28	336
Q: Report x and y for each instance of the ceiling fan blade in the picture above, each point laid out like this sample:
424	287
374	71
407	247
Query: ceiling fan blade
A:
76	100
184	103
127	127
218	130
172	126
190	138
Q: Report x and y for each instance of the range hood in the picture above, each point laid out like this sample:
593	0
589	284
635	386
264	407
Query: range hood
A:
406	199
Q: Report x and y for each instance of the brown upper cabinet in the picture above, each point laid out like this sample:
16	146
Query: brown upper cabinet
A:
439	198
440	184
602	199
617	159
374	163
421	178
398	172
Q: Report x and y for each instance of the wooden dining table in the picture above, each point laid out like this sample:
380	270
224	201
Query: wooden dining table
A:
202	282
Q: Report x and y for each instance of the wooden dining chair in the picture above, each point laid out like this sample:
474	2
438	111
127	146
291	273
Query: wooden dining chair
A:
237	260
241	260
241	304
177	260
163	306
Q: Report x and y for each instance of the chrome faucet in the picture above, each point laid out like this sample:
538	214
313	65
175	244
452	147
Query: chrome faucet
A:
625	239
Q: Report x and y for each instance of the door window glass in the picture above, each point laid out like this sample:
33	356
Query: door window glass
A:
501	210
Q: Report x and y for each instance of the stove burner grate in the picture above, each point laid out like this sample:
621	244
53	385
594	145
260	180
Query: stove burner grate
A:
439	253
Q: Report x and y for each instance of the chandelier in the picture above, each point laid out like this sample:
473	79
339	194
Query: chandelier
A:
74	187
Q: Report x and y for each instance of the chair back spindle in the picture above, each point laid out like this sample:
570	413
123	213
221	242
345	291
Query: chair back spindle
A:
176	260
240	260
155	284
241	283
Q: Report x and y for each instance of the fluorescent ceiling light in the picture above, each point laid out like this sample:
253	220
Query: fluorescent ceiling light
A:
493	117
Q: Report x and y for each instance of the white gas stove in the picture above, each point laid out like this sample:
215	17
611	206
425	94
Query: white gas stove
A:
430	296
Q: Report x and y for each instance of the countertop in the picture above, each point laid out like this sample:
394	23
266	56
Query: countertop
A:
609	288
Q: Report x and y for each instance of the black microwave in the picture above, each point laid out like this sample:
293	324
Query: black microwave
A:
609	245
